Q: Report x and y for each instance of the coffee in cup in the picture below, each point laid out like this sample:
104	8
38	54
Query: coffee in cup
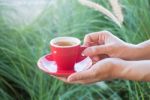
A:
65	43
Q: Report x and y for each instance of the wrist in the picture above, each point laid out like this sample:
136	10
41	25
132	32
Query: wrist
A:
135	70
124	70
119	66
132	51
144	51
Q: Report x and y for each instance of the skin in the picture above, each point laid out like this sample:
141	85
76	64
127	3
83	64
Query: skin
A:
122	60
105	42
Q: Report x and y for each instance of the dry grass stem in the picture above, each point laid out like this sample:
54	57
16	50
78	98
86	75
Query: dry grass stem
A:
116	7
101	9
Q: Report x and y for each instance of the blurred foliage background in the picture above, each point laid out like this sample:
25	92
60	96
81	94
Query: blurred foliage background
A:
26	27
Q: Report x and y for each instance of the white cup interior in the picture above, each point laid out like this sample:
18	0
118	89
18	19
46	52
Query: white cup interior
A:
65	39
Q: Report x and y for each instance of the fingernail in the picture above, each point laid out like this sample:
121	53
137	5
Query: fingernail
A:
82	54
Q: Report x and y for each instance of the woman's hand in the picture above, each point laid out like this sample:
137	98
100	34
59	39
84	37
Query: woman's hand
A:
104	42
105	69
111	68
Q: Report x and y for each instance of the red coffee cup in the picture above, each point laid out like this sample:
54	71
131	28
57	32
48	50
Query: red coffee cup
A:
66	56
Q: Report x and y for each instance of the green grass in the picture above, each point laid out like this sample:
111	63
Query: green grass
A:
21	45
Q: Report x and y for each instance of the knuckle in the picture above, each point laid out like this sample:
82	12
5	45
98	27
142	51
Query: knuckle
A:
94	50
107	34
90	50
87	38
109	48
92	34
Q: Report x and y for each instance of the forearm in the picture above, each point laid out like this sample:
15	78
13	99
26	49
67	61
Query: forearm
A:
139	52
135	70
144	51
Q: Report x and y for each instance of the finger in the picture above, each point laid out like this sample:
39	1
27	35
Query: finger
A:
85	77
96	37
81	75
60	78
90	44
91	38
64	79
99	57
88	81
96	50
103	56
95	58
85	81
98	72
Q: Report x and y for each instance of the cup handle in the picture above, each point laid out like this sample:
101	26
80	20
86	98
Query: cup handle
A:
80	56
49	57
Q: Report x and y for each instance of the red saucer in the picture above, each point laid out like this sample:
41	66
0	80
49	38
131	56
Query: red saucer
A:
48	65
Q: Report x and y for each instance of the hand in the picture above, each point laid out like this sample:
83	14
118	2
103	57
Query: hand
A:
111	68
105	69
106	43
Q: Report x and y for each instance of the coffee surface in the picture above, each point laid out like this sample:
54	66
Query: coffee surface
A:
65	43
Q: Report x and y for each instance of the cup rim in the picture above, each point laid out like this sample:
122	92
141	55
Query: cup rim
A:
71	39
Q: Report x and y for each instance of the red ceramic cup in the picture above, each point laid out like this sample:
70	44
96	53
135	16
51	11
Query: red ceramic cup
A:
66	56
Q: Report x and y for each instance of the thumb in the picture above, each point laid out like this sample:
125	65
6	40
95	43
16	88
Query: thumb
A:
95	50
83	75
